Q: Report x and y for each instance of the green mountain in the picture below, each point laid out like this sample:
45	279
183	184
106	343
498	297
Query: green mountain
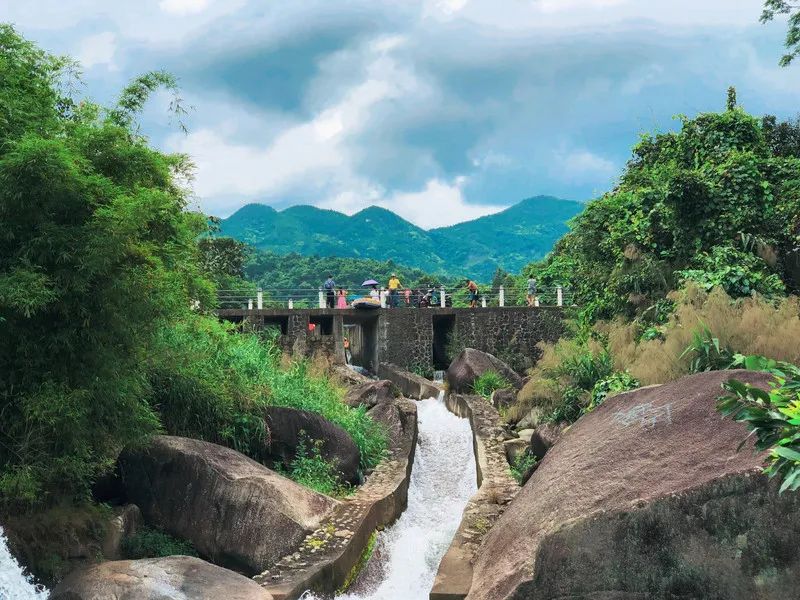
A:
297	272
508	240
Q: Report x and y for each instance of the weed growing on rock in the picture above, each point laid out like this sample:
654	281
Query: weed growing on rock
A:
310	469
154	543
488	382
522	467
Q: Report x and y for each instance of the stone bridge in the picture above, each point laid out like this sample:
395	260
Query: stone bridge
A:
415	339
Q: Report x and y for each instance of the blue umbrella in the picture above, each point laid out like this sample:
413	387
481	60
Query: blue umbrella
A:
370	282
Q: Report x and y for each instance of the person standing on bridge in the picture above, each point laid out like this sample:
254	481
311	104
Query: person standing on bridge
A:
472	287
330	292
341	299
531	291
394	291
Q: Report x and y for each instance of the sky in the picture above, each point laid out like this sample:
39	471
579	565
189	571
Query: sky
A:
440	110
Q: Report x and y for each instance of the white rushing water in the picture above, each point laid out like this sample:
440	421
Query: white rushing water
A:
442	481
13	583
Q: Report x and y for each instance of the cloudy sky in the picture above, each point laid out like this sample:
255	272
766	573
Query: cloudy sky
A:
441	110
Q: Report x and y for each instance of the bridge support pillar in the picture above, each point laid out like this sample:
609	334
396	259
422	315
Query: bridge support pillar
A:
483	301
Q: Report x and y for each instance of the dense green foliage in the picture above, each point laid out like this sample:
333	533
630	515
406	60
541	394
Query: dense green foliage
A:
717	203
154	543
772	416
772	8
486	384
475	249
103	289
96	254
210	384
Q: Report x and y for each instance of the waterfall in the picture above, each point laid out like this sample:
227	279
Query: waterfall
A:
408	553
14	585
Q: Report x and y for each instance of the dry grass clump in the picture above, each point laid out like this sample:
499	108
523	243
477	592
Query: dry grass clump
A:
545	389
747	326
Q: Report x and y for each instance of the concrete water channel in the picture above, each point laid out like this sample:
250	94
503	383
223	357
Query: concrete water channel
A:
430	504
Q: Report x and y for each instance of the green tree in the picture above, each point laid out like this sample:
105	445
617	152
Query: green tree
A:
713	202
97	252
773	8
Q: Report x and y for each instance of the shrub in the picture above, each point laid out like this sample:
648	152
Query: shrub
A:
522	466
488	382
773	416
154	543
615	383
706	352
310	469
212	383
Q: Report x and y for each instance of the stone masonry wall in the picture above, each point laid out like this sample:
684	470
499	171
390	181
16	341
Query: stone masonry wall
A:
405	337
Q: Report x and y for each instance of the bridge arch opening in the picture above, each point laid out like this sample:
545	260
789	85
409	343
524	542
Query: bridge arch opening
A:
362	333
443	327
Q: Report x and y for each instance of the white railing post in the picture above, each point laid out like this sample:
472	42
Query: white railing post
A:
443	298
536	301
502	300
249	304
483	301
559	296
291	304
260	298
383	298
321	298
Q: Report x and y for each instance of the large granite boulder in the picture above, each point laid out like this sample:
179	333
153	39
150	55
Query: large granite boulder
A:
397	417
471	364
370	394
235	511
647	497
170	578
290	427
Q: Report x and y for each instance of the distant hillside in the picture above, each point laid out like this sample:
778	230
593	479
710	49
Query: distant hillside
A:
294	271
509	239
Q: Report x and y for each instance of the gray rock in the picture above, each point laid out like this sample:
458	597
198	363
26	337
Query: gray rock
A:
514	449
289	427
125	522
526	435
369	394
170	578
235	511
471	364
545	438
645	497
504	398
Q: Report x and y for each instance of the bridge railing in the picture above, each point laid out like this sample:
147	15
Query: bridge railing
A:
438	297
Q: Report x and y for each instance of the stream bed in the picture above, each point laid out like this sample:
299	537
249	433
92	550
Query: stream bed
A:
407	554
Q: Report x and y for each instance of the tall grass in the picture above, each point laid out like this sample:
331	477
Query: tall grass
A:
750	326
210	382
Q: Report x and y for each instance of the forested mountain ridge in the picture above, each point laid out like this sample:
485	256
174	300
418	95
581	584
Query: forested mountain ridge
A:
508	239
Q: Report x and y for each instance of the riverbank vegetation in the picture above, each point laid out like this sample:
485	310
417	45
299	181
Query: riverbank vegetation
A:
692	260
106	283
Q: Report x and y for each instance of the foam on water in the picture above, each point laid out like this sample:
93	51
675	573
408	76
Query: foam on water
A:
442	481
13	583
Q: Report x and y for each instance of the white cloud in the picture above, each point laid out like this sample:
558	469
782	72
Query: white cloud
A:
97	49
183	7
582	166
438	204
552	6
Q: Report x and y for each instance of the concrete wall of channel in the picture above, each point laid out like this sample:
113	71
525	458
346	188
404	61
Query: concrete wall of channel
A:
496	489
327	556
